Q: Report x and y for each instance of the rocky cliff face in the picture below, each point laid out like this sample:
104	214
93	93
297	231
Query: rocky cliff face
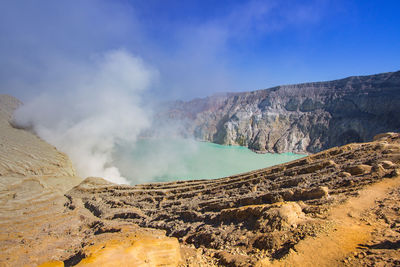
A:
304	118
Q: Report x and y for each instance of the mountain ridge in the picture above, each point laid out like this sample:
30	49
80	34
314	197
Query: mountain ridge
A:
300	118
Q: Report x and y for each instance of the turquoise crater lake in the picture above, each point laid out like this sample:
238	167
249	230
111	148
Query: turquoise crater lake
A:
160	160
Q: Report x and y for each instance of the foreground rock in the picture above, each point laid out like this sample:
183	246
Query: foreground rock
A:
238	220
304	118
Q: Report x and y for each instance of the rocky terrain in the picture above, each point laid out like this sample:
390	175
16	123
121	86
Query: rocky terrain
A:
239	220
36	227
305	118
338	207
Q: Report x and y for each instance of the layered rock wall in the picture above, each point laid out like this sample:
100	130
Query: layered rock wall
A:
23	153
304	118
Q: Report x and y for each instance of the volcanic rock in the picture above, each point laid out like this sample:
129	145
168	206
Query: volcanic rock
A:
303	118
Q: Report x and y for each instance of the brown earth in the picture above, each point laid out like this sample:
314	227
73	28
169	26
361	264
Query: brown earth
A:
35	225
264	214
334	208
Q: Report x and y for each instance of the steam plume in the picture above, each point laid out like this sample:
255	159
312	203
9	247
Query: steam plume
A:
92	109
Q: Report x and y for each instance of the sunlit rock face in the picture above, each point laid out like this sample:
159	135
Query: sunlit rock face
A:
301	118
23	153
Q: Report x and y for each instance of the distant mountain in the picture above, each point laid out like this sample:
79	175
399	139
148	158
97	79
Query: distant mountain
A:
304	118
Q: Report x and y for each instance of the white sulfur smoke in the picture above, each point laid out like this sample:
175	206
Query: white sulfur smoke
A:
86	111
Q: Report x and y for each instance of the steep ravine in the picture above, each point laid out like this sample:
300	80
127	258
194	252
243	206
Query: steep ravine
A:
303	118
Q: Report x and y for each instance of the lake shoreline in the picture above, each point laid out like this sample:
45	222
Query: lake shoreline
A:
171	159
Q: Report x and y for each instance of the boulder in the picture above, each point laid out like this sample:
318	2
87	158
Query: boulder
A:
359	169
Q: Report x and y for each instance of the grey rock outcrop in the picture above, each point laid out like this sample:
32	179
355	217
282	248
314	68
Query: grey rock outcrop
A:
303	118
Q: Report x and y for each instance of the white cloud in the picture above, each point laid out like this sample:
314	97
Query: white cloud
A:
92	110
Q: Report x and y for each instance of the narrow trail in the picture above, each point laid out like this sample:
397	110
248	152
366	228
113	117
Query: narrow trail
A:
347	233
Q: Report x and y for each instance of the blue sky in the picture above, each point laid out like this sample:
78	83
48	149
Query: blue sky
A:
198	48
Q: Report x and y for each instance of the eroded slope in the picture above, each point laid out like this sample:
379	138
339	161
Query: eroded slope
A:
244	218
35	225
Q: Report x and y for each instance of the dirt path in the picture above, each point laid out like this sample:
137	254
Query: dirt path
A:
347	233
